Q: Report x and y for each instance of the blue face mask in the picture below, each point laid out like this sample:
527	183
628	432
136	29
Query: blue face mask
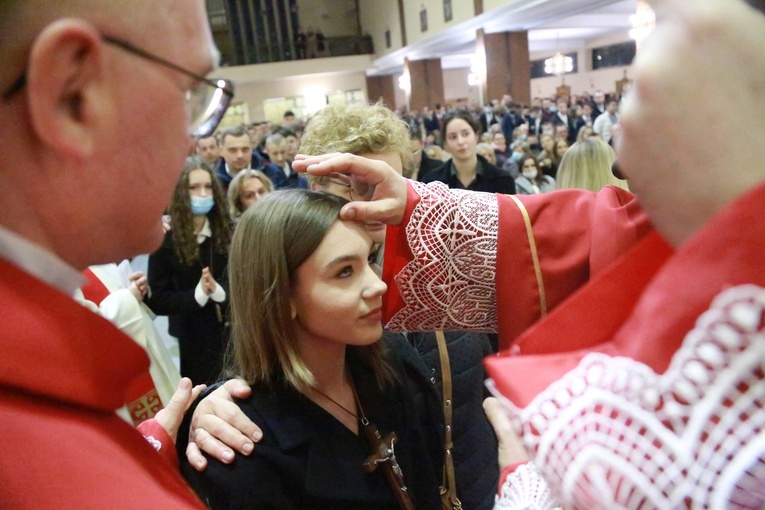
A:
202	205
516	156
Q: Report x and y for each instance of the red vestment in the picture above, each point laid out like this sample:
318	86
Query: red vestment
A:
63	372
645	389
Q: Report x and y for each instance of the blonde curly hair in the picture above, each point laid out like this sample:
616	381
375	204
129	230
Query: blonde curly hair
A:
357	129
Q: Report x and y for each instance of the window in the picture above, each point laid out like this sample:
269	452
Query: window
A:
614	55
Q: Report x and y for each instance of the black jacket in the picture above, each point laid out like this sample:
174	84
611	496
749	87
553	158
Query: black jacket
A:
489	178
309	460
475	445
201	335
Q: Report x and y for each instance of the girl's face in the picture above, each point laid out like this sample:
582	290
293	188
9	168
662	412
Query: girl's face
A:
461	140
337	295
547	142
561	148
251	191
200	183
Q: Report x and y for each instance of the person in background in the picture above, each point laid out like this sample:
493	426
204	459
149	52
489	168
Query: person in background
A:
584	132
238	154
531	180
501	149
559	150
606	123
246	188
208	149
187	273
466	169
487	151
421	162
293	142
436	153
561	118
280	170
587	165
512	164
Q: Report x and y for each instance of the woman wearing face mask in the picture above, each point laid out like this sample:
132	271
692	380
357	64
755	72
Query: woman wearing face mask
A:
187	273
467	169
532	181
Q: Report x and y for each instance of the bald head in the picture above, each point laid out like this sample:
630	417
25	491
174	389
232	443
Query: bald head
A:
86	111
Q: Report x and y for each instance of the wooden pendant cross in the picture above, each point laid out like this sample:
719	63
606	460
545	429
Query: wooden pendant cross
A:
385	456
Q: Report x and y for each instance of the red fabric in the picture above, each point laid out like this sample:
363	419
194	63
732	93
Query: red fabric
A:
643	307
63	372
152	428
141	394
94	290
577	234
556	344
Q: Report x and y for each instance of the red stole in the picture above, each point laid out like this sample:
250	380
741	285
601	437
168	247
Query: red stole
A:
140	395
643	306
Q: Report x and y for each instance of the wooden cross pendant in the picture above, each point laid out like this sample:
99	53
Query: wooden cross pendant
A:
385	456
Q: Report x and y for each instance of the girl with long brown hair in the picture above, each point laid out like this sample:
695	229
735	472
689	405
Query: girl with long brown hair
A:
187	275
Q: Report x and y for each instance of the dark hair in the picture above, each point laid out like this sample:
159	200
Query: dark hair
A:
288	113
464	115
186	247
235	131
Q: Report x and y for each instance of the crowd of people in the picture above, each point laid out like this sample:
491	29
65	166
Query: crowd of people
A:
284	251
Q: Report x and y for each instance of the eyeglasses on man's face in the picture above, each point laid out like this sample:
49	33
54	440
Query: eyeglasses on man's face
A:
207	102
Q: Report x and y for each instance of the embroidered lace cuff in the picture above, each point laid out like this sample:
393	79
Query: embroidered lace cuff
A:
525	489
450	283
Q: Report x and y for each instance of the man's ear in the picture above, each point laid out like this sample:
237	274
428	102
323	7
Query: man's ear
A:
66	92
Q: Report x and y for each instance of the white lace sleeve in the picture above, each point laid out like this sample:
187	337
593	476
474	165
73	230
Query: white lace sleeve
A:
450	283
525	489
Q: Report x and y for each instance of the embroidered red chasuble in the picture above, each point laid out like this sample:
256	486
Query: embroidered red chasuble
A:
63	372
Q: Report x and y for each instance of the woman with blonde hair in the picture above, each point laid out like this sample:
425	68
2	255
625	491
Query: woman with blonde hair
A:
246	188
587	165
326	392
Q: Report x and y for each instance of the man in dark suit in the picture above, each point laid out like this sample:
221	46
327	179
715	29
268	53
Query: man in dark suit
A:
421	163
237	154
562	118
489	117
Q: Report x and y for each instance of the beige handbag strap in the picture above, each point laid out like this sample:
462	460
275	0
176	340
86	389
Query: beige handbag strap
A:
534	255
449	487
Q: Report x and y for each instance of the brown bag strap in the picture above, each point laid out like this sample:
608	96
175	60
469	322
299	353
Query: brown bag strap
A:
449	487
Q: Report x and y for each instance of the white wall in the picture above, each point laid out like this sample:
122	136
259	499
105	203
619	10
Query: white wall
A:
456	86
377	16
585	79
462	10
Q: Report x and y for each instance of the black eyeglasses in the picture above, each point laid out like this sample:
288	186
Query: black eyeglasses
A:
344	181
206	103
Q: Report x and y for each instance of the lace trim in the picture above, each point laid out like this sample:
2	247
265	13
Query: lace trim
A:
450	282
612	433
155	443
525	489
